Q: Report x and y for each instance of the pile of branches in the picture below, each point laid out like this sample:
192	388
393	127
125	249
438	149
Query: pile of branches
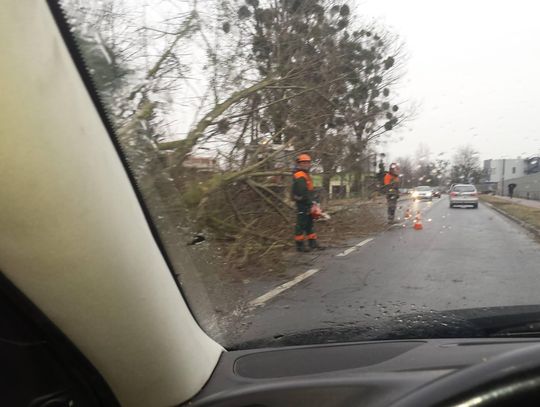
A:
251	216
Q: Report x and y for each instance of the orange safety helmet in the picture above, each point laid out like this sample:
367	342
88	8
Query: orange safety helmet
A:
394	167
303	158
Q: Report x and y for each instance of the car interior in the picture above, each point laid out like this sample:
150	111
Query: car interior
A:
92	313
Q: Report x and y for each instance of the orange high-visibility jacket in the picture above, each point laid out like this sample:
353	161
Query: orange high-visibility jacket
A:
391	184
391	179
302	189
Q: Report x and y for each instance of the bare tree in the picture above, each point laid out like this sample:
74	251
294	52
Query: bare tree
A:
466	165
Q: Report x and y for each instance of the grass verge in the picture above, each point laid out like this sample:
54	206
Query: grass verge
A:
528	215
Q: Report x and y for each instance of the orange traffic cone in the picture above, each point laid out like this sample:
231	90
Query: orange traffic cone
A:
418	222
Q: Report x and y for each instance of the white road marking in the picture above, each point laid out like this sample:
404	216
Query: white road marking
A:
346	252
352	249
279	289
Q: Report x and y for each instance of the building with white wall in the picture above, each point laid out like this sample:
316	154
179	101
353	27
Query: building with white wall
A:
503	168
525	173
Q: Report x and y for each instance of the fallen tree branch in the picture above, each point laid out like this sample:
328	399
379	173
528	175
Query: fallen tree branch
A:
270	192
258	164
247	230
273	246
221	181
266	174
265	199
233	207
284	99
184	146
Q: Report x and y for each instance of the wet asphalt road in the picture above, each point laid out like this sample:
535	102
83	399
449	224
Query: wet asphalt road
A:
463	258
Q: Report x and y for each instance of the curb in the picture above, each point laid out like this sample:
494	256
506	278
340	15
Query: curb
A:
521	223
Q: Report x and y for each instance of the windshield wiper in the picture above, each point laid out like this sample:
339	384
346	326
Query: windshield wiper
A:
528	330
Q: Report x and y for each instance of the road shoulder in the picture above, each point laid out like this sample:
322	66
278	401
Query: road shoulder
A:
526	216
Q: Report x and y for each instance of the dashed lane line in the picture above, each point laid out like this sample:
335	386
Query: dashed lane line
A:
352	249
263	299
279	289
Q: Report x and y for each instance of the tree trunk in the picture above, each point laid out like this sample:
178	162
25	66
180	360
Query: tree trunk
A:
326	178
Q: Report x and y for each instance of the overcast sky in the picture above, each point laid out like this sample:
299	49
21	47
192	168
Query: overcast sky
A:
474	70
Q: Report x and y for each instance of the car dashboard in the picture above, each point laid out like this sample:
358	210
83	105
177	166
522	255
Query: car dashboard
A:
371	374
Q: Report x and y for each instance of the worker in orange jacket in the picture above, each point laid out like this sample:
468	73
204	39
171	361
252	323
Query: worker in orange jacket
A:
391	189
302	194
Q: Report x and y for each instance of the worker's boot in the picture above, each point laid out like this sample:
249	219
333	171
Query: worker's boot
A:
314	245
300	247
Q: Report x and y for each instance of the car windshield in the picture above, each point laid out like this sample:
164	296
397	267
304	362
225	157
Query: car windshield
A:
278	145
464	188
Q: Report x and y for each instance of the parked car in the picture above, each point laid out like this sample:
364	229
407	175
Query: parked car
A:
464	194
423	192
436	193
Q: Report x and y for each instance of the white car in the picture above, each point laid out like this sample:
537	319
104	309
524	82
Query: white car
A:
463	194
423	192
